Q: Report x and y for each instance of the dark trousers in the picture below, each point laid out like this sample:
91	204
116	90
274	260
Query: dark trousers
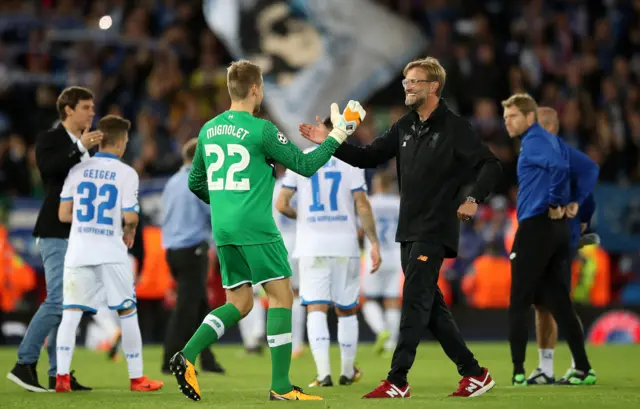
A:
189	267
152	318
423	307
540	258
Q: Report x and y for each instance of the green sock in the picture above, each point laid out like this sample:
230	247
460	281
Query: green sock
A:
279	339
211	330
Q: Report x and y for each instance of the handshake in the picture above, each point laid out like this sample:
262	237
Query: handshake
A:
344	124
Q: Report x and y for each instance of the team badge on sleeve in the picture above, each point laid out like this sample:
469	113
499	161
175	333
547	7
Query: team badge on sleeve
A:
283	139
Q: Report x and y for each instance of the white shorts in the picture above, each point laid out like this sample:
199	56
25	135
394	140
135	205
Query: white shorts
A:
326	280
295	274
383	283
87	287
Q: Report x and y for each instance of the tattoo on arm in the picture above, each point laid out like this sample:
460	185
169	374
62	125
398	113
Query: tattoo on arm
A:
363	208
290	212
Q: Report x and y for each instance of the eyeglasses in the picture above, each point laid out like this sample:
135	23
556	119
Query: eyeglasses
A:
412	81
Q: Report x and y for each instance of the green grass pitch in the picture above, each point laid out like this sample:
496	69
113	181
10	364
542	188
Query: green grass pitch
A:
247	381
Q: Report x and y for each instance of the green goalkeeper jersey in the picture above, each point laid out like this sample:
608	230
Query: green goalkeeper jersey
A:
233	170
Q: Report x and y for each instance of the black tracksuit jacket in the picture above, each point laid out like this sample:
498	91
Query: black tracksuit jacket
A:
435	159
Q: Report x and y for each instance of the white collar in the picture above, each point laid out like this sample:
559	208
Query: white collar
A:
74	139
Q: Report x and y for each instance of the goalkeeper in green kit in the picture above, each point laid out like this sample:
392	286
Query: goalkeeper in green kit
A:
233	171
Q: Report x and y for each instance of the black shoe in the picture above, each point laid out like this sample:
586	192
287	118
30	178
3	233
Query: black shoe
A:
75	386
357	375
208	362
326	382
538	377
26	377
259	350
214	367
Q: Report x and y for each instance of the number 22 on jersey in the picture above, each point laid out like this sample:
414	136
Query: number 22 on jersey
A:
228	182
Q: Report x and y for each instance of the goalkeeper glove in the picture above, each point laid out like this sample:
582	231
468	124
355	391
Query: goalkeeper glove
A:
346	123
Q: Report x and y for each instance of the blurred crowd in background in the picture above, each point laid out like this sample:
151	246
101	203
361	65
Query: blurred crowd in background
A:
157	63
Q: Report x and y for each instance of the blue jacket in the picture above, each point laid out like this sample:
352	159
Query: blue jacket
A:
583	173
543	173
587	209
585	213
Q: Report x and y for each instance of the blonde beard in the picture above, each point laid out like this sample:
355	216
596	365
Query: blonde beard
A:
417	103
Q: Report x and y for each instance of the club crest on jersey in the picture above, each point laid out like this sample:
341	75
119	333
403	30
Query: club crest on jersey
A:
283	139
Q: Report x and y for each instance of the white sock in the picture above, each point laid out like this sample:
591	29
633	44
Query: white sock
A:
132	343
260	320
392	319
252	326
545	358
573	363
66	339
245	325
299	314
318	334
348	340
372	313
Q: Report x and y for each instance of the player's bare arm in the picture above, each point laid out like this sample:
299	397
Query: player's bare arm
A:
363	208
131	220
283	203
65	211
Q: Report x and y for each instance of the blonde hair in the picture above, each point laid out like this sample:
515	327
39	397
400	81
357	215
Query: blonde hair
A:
241	75
435	71
524	102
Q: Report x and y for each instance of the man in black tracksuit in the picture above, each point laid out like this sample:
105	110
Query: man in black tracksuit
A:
541	253
437	152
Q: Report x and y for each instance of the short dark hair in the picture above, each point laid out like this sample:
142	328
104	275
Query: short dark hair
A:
70	97
113	128
189	149
241	76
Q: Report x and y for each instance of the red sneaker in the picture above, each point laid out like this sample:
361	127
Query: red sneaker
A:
63	383
144	384
472	386
388	390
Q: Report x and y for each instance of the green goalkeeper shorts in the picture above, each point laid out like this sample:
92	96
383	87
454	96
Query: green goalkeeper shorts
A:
255	264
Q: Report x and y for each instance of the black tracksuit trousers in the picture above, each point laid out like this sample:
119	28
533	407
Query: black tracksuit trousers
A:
540	256
189	267
423	307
